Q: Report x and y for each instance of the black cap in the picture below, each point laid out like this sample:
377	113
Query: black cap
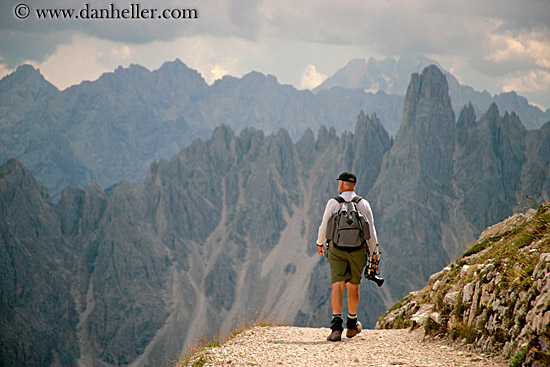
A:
348	177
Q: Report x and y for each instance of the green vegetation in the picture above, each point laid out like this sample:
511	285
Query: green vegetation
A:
478	247
503	263
201	359
462	331
519	358
400	303
504	250
431	327
460	307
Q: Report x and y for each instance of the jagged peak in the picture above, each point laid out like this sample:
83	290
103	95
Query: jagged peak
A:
256	76
428	88
131	72
307	136
364	122
12	166
432	72
177	66
176	63
467	117
131	69
513	119
69	192
357	62
14	171
92	189
27	69
222	135
325	137
251	78
427	83
283	135
492	113
22	76
251	132
492	116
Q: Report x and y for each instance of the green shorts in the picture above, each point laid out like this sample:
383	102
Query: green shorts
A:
346	265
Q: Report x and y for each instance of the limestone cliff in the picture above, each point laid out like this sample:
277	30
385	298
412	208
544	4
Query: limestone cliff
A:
495	297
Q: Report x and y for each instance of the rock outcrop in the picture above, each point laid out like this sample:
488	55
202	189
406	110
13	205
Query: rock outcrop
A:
496	297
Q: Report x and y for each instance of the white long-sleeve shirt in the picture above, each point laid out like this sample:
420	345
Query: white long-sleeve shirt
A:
363	207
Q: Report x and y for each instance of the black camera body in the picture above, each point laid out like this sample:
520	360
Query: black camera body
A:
375	278
371	270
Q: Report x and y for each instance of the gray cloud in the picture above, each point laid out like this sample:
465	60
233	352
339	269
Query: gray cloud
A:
471	31
395	27
35	39
17	46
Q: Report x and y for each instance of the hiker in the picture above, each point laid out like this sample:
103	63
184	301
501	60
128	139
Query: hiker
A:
346	263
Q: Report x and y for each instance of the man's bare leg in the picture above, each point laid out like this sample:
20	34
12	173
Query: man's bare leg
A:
353	301
338	297
353	298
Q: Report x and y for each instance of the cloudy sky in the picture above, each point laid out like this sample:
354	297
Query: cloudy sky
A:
497	45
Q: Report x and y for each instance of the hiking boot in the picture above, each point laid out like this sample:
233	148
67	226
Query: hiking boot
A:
335	336
350	333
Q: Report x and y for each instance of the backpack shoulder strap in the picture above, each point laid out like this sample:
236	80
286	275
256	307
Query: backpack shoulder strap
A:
357	199
339	199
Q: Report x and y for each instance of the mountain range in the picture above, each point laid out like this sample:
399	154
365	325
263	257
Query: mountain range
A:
392	77
113	128
225	229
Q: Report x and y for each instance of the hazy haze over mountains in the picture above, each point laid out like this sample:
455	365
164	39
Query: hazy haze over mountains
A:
112	129
392	76
228	225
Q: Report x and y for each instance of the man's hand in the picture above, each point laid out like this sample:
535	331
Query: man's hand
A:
375	261
321	250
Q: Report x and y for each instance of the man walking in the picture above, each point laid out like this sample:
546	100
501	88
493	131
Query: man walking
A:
346	263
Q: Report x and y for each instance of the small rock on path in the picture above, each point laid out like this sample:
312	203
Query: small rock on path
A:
299	346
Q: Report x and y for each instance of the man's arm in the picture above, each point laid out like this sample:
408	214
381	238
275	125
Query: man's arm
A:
364	208
322	233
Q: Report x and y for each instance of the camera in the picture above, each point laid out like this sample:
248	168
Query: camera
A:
371	270
375	278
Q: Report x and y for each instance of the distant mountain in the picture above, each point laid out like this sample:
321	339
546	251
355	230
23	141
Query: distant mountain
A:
388	75
392	76
113	128
226	229
106	131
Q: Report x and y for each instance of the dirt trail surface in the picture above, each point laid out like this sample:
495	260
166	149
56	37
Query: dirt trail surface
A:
297	346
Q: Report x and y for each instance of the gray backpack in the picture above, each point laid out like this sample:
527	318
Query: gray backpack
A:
348	227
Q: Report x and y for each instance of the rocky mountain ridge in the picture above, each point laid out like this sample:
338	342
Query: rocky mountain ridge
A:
496	297
113	128
392	76
229	223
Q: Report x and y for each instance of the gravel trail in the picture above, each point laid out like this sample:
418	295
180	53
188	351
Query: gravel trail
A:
298	346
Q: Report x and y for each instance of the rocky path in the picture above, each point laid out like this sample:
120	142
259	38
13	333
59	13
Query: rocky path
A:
296	346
